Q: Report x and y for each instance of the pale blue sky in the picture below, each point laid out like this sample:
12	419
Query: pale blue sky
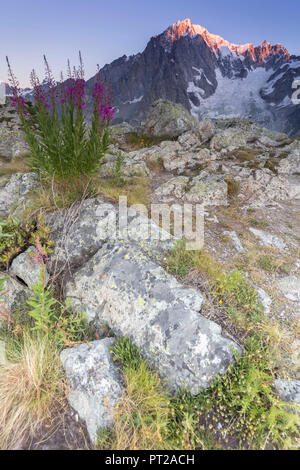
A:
105	30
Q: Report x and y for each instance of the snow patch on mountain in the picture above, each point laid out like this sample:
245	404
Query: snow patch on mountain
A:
238	97
135	100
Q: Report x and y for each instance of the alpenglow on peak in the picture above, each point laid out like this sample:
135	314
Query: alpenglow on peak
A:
215	42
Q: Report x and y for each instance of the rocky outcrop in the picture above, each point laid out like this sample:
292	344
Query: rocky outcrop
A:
230	138
207	189
168	119
95	383
14	192
121	287
12	140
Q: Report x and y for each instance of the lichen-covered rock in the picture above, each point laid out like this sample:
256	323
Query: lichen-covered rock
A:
26	269
124	289
189	139
175	188
208	189
181	161
262	187
95	383
166	118
15	192
15	294
228	138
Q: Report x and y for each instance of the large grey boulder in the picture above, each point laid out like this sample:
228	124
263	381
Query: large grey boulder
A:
166	118
24	267
122	288
80	231
95	383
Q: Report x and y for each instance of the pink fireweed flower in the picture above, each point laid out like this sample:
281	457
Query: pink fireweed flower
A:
105	112
39	95
41	254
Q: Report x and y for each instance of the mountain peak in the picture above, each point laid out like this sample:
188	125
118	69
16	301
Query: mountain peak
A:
183	28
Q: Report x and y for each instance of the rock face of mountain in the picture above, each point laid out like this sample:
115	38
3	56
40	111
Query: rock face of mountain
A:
209	76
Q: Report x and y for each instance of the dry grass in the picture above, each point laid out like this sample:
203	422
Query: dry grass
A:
31	383
136	190
18	165
54	196
244	155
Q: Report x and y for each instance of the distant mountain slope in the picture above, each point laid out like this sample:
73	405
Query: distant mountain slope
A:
208	75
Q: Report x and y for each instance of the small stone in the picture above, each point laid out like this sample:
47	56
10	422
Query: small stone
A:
264	299
236	241
268	239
